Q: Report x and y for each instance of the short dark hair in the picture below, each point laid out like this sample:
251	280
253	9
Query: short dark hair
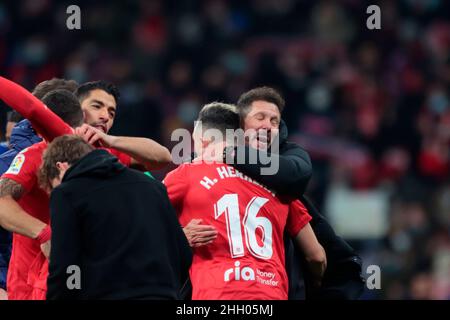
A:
221	116
65	105
267	94
85	89
67	148
56	83
13	116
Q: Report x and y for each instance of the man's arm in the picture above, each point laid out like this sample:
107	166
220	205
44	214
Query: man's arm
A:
12	217
144	151
176	183
300	230
314	253
294	170
65	249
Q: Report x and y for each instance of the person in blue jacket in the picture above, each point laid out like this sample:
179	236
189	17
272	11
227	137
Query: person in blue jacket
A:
22	136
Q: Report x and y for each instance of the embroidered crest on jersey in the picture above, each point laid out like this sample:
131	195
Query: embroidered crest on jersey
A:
17	164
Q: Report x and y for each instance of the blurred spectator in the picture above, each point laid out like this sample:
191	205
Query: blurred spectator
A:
12	118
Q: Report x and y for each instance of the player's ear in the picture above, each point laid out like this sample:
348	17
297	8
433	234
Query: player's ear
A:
62	165
205	142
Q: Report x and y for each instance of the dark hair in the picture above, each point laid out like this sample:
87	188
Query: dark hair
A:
267	94
221	116
13	116
65	105
67	148
49	85
85	89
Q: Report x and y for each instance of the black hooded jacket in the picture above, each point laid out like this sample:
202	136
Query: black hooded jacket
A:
342	279
118	226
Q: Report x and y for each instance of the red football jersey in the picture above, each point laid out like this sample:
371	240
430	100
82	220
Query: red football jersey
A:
25	251
246	260
28	267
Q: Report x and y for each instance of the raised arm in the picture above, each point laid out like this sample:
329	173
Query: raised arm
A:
314	253
143	151
44	121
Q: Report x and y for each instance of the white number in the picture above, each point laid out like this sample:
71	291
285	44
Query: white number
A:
252	223
229	204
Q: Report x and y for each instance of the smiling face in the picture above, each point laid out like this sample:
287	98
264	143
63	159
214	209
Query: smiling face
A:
99	109
263	119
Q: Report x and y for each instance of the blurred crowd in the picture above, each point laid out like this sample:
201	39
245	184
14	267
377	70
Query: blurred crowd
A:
372	107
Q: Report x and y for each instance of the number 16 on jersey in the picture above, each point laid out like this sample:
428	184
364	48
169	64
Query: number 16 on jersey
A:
229	206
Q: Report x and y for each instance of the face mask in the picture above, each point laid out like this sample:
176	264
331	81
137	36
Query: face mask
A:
187	111
76	72
35	52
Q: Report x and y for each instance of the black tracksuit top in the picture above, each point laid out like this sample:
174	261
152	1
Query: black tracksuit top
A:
118	226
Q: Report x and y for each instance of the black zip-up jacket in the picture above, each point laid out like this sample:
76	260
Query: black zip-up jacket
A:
342	279
118	226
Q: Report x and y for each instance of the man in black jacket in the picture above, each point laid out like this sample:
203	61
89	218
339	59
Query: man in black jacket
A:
113	223
260	111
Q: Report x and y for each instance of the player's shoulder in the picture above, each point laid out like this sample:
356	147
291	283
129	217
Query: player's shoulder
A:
195	168
35	149
203	166
30	155
191	170
297	205
29	158
178	172
292	148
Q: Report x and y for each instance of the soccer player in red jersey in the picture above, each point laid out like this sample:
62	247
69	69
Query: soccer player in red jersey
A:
28	219
98	100
24	207
246	260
